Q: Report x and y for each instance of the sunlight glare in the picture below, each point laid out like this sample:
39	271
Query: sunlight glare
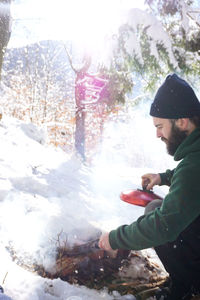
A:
88	24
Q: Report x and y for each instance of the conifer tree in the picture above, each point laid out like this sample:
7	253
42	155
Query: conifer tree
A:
5	27
165	38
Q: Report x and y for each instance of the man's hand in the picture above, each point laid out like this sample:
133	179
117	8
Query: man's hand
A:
104	242
105	245
149	180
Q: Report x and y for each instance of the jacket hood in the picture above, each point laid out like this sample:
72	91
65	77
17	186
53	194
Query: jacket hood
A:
189	145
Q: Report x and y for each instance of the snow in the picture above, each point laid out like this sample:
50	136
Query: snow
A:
154	29
188	14
45	192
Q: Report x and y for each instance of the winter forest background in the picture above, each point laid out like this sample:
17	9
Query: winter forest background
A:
133	47
64	163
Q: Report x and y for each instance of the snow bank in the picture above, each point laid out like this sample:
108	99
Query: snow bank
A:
46	193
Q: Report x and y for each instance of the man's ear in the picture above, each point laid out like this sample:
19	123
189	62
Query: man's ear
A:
183	124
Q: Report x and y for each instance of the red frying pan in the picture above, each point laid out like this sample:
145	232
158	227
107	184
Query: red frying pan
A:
139	197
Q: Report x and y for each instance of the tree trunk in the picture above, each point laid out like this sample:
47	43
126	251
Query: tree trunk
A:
5	27
80	131
80	90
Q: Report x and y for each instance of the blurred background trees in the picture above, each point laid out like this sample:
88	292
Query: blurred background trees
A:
39	85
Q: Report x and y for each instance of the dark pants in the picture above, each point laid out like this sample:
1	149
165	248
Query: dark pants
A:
181	258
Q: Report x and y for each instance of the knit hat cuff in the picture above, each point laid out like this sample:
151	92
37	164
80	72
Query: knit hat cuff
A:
156	112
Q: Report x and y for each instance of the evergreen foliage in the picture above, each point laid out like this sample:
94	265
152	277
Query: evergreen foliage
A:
179	21
119	84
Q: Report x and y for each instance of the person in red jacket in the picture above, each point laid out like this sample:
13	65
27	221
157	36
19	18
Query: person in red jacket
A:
171	226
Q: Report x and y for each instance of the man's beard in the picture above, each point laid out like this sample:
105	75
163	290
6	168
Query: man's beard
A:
175	139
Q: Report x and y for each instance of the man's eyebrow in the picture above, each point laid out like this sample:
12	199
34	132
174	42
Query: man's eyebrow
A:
160	124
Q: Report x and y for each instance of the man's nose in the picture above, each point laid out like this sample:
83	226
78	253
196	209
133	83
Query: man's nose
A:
158	133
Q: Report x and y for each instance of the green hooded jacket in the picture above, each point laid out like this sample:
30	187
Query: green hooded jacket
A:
179	209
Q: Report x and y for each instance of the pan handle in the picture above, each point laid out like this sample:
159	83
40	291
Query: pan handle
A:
145	190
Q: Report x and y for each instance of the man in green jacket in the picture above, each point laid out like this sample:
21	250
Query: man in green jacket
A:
173	226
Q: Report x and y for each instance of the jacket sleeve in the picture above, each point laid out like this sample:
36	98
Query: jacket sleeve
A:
180	207
166	177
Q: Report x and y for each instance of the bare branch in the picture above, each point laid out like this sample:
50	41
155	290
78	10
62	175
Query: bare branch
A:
70	59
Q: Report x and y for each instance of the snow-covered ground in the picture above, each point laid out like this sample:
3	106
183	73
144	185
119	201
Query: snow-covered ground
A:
45	192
